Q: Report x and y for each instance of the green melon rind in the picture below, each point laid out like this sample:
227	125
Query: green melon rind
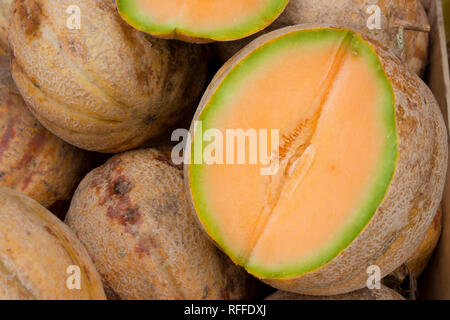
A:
377	191
130	12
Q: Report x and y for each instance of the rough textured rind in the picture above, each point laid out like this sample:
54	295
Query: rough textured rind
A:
133	217
402	219
5	5
32	160
36	249
104	87
418	261
353	14
384	293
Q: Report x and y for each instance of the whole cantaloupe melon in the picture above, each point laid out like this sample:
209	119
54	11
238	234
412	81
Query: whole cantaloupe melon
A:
100	85
39	254
410	43
133	217
356	178
33	160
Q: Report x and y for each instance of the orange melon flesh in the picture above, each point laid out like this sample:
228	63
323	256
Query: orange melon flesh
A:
332	185
326	92
209	19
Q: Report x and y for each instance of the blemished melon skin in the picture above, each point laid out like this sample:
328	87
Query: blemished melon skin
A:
384	293
5	5
36	250
402	219
33	160
352	14
105	87
133	217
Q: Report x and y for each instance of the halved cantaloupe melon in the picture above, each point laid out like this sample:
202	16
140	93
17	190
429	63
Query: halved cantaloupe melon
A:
362	157
200	20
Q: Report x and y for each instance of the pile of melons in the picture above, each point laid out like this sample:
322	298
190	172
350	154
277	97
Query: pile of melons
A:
95	202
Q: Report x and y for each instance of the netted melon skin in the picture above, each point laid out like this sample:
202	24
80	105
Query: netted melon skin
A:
33	160
104	87
412	50
133	217
37	252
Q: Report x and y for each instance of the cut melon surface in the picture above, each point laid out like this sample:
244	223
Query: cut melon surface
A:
326	92
200	20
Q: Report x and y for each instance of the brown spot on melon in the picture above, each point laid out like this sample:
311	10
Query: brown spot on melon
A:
30	13
121	186
7	136
165	254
